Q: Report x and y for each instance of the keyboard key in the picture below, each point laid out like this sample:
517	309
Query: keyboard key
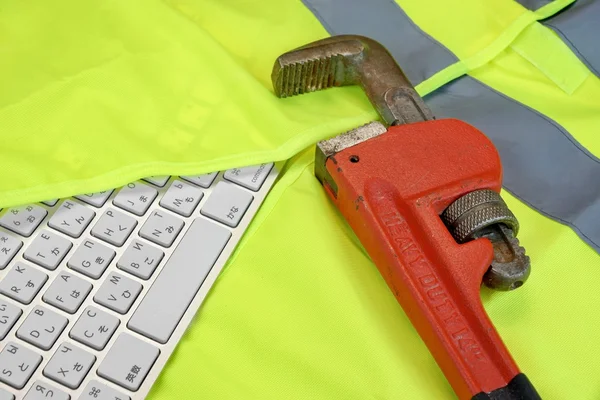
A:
50	203
91	258
22	282
40	390
18	364
227	204
99	391
161	228
71	218
181	198
9	315
9	246
42	327
158	180
47	249
69	365
24	219
94	328
5	395
67	292
249	177
204	180
114	227
136	198
128	362
169	296
118	293
140	259
95	199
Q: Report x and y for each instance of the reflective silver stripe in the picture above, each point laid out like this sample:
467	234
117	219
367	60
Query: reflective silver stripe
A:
578	27
544	165
534	4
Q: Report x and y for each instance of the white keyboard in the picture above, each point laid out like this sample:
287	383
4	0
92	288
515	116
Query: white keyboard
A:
97	290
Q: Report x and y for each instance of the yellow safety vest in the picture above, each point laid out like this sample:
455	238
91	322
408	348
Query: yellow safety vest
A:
98	94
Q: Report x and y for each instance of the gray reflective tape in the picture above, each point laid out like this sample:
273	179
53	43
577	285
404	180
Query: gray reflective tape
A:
421	55
543	164
579	27
534	4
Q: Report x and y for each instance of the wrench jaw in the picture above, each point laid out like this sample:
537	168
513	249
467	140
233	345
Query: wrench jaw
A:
351	60
329	148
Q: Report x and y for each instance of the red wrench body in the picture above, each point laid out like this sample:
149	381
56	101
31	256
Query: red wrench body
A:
392	189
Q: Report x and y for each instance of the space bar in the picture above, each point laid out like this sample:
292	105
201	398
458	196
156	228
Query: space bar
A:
175	287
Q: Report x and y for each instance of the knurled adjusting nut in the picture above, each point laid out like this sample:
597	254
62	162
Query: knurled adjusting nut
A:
475	211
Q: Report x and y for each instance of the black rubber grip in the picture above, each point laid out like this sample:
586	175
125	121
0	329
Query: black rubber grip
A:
519	388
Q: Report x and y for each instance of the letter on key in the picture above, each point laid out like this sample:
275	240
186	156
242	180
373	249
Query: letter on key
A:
42	391
17	364
42	327
22	282
71	218
69	365
9	315
9	246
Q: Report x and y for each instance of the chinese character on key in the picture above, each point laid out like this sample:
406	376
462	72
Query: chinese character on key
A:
143	199
99	260
131	377
135	369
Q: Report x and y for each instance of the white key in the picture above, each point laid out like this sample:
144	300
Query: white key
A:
69	365
71	218
114	227
67	292
161	228
94	328
99	391
140	259
22	282
158	180
9	246
47	249
161	309
42	327
50	203
9	315
118	293
95	199
40	390
227	204
24	219
136	198
91	258
249	177
204	180
128	362
18	364
5	395
181	198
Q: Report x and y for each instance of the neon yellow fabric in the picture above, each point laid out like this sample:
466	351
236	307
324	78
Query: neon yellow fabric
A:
158	87
557	62
144	86
495	28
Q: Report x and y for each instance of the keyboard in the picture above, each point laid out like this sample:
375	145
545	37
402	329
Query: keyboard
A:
97	290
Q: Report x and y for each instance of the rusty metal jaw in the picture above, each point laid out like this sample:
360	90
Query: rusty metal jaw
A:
328	148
